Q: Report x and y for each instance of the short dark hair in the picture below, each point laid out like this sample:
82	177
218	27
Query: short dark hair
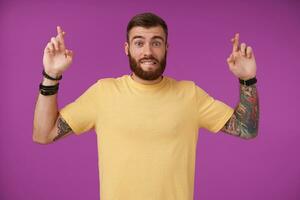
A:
147	20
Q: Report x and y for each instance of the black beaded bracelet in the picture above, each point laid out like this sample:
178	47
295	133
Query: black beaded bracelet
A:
51	78
248	82
47	93
47	90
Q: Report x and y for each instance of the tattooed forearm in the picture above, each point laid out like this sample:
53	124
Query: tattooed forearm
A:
244	121
63	128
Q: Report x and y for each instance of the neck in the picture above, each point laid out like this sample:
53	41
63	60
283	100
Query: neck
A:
146	82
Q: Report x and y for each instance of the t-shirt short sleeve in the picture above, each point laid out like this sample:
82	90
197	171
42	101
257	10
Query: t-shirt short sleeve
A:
81	114
212	114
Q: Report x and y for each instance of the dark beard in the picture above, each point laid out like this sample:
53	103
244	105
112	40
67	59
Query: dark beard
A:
147	75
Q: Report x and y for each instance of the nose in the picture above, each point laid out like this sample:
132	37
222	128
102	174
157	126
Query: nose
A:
147	51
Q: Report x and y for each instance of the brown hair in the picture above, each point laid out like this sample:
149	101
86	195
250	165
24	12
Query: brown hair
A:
147	20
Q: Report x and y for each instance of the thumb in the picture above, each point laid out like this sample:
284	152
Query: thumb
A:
69	54
230	59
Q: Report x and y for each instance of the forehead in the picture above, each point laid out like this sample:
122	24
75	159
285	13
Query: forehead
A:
147	33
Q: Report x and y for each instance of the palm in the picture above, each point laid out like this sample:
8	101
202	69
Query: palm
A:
242	61
56	62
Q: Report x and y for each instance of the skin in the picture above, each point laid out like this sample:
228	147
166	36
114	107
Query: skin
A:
49	126
57	58
244	121
145	42
62	128
64	57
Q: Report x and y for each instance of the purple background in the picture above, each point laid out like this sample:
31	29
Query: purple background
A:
267	167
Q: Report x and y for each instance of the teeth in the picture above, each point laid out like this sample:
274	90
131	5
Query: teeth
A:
148	62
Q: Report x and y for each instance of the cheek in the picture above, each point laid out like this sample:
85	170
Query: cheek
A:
136	53
159	54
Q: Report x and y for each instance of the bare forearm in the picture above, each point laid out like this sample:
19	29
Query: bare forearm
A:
245	119
45	115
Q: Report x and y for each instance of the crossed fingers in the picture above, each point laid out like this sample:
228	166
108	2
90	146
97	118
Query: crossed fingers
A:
243	48
57	44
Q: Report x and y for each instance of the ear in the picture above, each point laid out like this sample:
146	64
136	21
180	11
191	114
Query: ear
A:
167	46
126	48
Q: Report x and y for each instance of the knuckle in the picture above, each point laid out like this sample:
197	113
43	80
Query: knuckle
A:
53	40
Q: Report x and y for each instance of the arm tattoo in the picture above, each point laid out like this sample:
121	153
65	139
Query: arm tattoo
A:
244	121
63	128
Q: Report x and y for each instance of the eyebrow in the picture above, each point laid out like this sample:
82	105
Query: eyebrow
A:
154	37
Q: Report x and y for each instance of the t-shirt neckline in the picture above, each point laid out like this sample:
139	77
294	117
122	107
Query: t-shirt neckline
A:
146	86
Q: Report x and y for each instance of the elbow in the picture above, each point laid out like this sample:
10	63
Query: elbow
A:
251	132
38	139
250	135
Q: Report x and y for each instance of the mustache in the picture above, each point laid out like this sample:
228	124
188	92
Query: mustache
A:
147	58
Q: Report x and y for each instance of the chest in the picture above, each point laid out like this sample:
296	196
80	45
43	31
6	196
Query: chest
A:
149	118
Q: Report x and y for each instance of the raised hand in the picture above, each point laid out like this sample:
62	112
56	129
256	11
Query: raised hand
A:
241	61
57	58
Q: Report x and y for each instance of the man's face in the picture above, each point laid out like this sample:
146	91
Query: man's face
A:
147	52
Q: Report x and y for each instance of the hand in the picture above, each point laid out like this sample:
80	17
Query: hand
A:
241	61
56	57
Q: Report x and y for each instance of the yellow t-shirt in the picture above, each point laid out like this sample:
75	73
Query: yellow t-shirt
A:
146	134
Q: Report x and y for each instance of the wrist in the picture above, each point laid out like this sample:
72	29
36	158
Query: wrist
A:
50	84
52	76
248	82
47	90
52	73
47	82
247	78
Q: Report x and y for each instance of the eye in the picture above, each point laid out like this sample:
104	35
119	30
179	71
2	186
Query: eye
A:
138	43
156	43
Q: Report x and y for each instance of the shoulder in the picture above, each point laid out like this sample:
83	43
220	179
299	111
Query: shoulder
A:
186	85
186	89
180	83
106	81
109	81
110	84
